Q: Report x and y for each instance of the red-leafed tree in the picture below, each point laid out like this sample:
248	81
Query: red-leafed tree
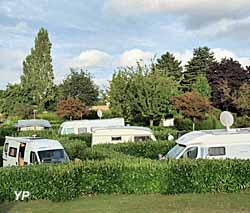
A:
72	109
192	105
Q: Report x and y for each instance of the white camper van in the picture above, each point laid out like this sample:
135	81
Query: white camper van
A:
213	144
20	151
87	126
121	135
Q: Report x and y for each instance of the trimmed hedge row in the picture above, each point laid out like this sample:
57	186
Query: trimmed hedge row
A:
68	181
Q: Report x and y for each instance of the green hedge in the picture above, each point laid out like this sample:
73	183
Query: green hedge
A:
68	181
1	156
6	131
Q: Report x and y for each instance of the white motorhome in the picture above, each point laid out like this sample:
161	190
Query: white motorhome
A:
20	151
87	126
121	134
212	144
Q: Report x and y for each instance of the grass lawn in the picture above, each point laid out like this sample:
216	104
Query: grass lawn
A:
235	202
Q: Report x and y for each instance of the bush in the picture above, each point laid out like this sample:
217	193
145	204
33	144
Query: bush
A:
68	181
6	131
161	133
242	122
209	123
183	124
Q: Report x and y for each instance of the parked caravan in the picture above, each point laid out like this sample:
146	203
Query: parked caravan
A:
20	151
213	144
121	135
33	124
87	126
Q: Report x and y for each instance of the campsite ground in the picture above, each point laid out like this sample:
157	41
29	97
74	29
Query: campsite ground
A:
219	202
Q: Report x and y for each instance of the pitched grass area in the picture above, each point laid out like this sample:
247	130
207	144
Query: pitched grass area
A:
235	202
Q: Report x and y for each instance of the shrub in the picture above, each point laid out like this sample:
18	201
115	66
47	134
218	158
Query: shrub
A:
161	133
242	122
183	124
210	123
6	131
68	181
1	156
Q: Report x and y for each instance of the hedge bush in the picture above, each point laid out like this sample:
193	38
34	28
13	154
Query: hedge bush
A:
1	156
68	181
6	131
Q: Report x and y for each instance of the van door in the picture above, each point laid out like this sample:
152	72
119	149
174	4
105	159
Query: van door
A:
191	152
21	154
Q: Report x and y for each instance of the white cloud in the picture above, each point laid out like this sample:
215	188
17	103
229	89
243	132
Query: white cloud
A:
21	27
91	59
130	57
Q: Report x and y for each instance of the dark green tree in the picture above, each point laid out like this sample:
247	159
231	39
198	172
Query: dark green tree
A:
199	64
37	79
79	85
170	66
202	86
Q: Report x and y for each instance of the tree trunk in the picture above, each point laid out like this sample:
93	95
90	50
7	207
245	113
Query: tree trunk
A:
151	122
193	124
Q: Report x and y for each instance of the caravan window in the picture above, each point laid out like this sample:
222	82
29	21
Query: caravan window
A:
115	138
216	151
12	152
142	138
69	131
82	130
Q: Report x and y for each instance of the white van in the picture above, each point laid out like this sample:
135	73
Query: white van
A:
212	144
20	151
87	126
121	135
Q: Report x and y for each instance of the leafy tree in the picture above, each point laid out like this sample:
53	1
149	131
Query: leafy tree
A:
79	85
199	64
10	97
23	110
170	66
242	99
225	79
143	93
72	109
202	86
192	105
118	93
37	79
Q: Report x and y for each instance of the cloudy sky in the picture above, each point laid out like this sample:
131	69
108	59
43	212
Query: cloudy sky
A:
100	35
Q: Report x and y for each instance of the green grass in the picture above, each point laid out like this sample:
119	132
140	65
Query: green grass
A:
235	202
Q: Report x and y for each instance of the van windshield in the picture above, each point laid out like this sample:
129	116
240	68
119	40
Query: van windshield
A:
53	156
175	151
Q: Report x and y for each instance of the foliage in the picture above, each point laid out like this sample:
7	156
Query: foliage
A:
142	92
202	86
242	122
71	109
162	133
69	181
23	111
170	66
209	123
242	99
183	124
198	65
7	131
225	79
192	105
37	79
79	85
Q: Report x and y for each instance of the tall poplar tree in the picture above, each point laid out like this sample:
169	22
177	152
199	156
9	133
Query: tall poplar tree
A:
37	79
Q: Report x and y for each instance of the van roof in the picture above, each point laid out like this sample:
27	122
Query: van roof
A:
37	143
112	130
94	122
217	136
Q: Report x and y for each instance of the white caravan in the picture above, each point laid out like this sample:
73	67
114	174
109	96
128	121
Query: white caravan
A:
20	151
87	126
121	135
213	144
